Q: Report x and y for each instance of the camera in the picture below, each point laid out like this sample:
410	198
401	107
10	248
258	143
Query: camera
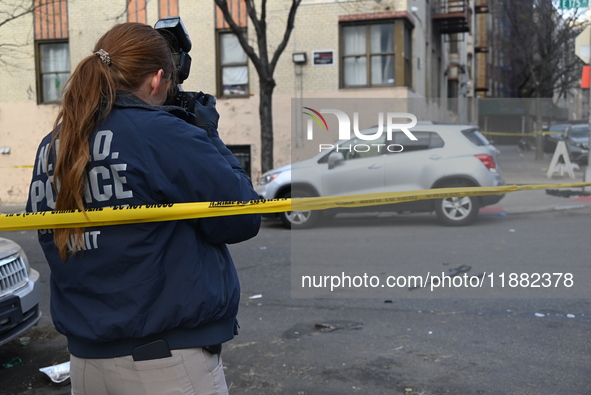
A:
174	31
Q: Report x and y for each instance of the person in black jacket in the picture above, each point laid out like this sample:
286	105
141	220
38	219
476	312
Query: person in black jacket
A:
145	307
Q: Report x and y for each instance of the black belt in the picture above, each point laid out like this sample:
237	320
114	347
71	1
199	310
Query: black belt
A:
159	349
213	350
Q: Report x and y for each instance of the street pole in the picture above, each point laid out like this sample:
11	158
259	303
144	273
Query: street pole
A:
583	51
587	176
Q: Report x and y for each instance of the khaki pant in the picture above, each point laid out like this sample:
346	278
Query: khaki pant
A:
188	372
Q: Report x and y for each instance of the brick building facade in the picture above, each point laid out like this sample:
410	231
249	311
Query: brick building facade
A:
353	48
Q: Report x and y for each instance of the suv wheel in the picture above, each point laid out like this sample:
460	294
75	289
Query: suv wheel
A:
299	219
457	211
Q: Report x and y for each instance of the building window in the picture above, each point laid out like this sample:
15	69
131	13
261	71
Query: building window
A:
368	55
233	66
375	51
136	11
52	51
238	11
242	153
54	70
168	8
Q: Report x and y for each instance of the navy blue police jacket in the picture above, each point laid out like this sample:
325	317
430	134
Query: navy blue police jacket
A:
134	283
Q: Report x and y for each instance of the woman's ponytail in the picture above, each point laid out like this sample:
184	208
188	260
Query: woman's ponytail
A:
122	59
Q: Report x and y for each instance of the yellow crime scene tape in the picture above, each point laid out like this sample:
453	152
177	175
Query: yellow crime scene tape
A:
120	215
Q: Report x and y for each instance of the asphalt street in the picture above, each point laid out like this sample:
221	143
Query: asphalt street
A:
511	340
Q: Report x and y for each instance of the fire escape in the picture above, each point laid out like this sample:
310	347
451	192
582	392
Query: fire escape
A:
451	16
481	47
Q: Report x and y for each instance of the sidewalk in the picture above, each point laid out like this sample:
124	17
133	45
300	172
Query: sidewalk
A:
521	168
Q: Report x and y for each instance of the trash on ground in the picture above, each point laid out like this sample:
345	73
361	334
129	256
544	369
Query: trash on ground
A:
24	340
458	270
255	296
333	326
540	315
13	362
59	374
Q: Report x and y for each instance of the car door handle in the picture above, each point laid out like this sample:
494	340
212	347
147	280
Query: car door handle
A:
435	157
374	166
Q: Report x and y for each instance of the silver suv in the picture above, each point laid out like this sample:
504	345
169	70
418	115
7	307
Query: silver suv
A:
443	156
19	292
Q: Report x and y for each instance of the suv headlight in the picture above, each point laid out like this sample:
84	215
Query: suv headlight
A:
22	254
268	177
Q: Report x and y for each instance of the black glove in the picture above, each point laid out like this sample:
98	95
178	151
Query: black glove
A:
206	115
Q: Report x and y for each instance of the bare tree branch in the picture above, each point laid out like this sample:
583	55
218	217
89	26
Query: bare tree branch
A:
288	29
263	66
260	26
14	11
541	46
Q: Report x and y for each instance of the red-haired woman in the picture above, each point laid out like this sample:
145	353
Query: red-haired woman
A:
145	307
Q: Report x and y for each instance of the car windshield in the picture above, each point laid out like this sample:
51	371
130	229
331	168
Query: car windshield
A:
558	128
579	131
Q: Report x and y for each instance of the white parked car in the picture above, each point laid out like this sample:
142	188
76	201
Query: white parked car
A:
442	156
19	292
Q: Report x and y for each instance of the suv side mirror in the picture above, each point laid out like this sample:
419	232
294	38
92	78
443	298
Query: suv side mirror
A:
335	159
